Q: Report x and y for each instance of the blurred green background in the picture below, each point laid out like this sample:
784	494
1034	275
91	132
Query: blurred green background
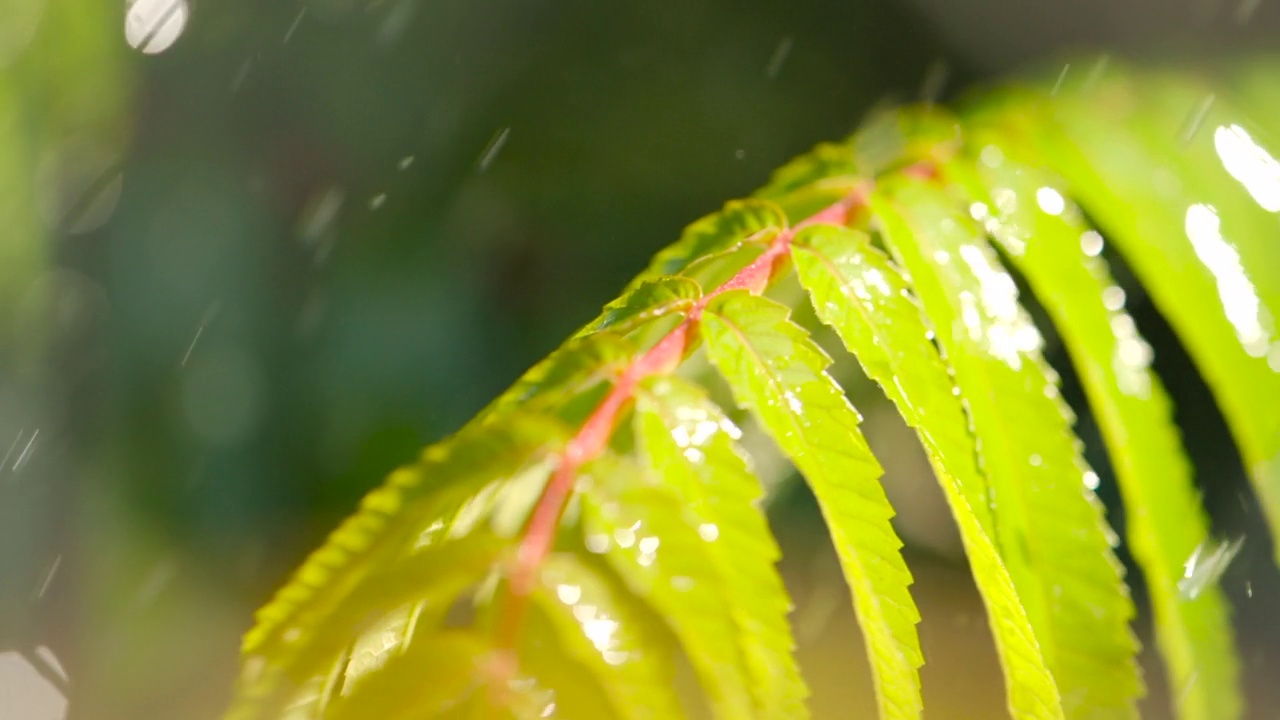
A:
255	255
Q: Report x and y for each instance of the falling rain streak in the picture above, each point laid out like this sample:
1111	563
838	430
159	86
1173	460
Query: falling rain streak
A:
1206	565
778	58
490	152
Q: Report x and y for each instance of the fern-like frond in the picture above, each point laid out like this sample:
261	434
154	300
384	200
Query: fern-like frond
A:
1045	237
693	445
1149	179
641	529
737	222
618	642
779	374
857	291
418	507
598	523
1049	526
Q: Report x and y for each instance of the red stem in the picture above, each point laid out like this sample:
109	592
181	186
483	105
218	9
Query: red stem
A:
594	435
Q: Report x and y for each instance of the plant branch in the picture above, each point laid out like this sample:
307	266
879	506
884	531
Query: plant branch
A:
594	435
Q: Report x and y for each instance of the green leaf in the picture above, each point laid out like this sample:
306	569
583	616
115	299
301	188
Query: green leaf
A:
1049	525
857	291
643	532
602	626
828	163
454	486
568	374
690	441
737	222
440	674
1208	259
650	301
383	613
813	181
1047	240
778	373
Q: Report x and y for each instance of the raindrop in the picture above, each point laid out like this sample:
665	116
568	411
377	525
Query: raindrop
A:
12	446
1196	119
316	221
396	21
491	150
222	395
979	211
597	626
79	186
1050	201
682	583
25	455
406	161
625	537
297	20
740	154
597	543
1006	200
935	81
1096	72
1035	460
242	74
569	594
161	576
779	57
209	315
1244	13
1062	76
152	26
991	156
1091	480
794	403
942	257
377	201
1091	243
1122	325
1134	352
1206	565
1248	589
708	532
614	657
48	577
648	545
1113	298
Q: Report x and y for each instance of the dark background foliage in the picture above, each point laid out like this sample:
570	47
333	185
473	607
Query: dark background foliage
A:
344	226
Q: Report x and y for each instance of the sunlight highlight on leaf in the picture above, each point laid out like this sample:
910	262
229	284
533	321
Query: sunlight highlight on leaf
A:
857	291
692	443
1135	416
642	531
1216	277
601	626
1049	525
